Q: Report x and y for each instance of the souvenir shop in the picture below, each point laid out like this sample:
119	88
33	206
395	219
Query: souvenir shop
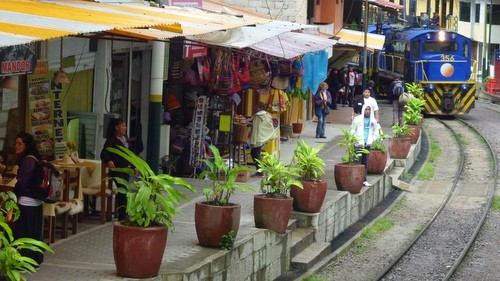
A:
211	94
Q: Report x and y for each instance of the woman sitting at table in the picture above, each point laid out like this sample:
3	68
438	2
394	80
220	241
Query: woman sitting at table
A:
29	224
115	137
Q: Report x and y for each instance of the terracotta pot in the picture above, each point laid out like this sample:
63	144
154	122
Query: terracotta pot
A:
272	213
349	177
138	251
310	198
297	128
376	162
416	133
399	147
212	222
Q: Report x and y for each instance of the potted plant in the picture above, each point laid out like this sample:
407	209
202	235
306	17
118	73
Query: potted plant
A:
273	207
13	265
350	175
412	116
378	154
400	143
415	89
217	216
139	242
311	169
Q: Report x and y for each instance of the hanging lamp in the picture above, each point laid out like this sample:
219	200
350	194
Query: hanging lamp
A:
60	76
9	83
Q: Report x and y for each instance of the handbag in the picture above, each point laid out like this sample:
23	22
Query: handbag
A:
404	98
326	110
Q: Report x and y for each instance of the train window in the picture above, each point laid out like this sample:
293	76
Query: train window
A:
415	49
440	47
466	49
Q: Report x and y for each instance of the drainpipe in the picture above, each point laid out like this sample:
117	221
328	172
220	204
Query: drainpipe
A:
155	99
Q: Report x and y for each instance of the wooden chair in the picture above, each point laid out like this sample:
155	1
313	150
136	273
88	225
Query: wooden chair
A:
105	191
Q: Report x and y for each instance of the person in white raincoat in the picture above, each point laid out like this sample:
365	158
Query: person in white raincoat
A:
365	127
262	131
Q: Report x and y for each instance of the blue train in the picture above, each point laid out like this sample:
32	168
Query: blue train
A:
440	60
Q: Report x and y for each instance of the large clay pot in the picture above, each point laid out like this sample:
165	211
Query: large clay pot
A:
416	133
138	251
272	213
376	162
213	222
310	198
349	177
297	128
399	147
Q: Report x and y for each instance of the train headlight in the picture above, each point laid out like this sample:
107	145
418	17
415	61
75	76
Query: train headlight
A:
464	88
431	88
441	35
428	36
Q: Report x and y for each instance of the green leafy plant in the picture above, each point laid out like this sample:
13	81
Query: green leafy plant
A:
277	176
152	198
378	144
401	131
227	242
309	165
299	94
353	152
12	263
223	179
415	89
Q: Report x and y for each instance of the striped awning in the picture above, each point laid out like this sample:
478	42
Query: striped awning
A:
357	39
24	21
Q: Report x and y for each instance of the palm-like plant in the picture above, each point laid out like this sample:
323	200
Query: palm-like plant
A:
151	200
278	178
305	158
415	89
353	152
378	144
401	131
223	179
12	263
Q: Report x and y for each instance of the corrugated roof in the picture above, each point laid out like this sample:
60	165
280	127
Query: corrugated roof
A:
24	21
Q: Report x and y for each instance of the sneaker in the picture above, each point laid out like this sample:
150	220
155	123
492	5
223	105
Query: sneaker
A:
323	137
367	184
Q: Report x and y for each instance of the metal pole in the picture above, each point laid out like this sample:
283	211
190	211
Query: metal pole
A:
365	55
489	40
485	52
155	98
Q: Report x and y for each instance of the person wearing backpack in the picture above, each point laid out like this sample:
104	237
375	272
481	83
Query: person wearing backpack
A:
115	137
396	89
29	224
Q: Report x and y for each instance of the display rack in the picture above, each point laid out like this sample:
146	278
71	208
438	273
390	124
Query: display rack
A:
197	132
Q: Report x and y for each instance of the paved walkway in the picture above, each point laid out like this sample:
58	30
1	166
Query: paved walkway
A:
88	255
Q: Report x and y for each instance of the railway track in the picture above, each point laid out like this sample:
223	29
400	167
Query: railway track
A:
441	245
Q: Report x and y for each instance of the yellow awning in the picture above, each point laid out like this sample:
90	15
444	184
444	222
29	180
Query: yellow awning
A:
24	21
357	38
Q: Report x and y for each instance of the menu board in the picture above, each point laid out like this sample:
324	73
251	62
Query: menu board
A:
40	109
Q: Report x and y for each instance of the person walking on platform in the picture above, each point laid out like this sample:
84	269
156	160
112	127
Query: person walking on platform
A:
322	102
335	86
262	131
365	127
350	80
396	89
365	99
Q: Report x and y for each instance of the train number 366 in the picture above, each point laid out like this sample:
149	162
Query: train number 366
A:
447	58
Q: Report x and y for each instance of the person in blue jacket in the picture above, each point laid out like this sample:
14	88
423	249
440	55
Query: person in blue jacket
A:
322	102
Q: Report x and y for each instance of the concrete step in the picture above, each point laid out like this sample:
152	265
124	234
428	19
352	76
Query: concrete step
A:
311	255
301	239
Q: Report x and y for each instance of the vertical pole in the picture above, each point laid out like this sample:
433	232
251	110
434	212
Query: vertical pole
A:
485	52
155	98
365	55
488	57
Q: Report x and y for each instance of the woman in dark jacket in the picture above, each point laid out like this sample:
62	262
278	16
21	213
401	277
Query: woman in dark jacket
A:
115	137
29	224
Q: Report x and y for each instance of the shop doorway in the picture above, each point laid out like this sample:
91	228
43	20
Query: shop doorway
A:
129	73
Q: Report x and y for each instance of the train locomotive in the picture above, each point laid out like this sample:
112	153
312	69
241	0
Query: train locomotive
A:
440	60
